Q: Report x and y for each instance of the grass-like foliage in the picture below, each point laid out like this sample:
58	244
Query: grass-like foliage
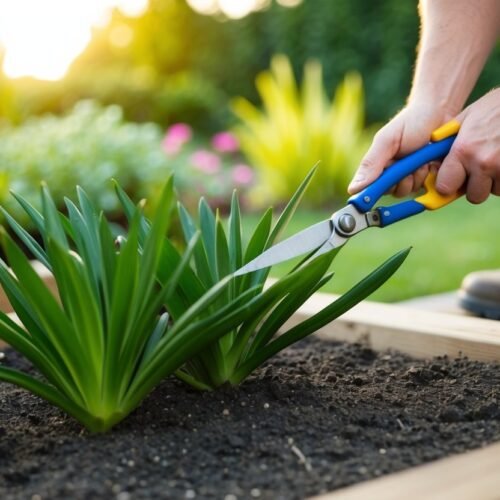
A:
297	125
107	341
217	254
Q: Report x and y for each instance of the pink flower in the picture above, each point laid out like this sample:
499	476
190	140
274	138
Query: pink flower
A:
225	142
242	174
206	161
177	135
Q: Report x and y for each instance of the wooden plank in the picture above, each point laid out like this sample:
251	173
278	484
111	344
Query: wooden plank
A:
471	475
414	332
439	302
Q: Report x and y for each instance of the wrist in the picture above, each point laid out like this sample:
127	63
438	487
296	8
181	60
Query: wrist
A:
432	107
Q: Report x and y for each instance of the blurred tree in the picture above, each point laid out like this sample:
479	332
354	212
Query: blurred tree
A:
172	63
9	111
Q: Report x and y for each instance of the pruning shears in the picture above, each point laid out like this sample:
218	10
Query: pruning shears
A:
360	212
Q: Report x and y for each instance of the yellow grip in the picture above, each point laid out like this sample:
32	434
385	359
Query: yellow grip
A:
450	128
432	199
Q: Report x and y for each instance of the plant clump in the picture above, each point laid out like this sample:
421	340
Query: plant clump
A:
134	309
106	342
217	254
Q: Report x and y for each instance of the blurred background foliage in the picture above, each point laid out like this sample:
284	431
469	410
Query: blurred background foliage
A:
173	64
299	126
163	91
86	146
91	144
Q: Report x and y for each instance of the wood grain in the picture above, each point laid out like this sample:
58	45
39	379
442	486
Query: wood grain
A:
468	476
421	334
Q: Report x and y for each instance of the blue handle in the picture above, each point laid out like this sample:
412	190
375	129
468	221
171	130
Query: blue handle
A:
366	199
400	211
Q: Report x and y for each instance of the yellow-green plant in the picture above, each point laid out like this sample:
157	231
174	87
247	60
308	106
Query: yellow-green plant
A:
299	127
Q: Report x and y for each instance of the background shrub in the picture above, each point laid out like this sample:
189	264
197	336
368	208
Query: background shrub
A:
85	147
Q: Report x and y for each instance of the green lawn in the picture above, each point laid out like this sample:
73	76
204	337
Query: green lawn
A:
447	244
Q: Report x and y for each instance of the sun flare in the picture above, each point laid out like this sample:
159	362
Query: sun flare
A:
42	38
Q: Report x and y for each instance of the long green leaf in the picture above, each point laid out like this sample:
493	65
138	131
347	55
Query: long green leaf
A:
35	216
259	237
18	339
129	208
298	280
33	246
46	392
126	277
290	208
235	245
208	234
359	292
108	262
283	312
189	289
142	306
200	255
183	346
82	307
51	317
54	226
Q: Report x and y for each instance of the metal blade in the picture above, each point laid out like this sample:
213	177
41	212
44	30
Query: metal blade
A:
306	241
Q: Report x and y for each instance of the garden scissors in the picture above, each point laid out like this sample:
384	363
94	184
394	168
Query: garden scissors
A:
359	213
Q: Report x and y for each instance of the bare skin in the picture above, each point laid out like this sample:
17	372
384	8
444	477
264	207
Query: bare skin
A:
457	37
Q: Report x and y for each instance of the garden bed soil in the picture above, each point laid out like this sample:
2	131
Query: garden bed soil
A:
320	416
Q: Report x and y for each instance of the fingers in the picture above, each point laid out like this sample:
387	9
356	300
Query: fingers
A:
479	188
383	149
460	168
419	177
451	175
412	183
404	188
495	189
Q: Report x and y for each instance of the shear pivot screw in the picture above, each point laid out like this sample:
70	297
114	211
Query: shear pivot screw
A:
347	223
367	199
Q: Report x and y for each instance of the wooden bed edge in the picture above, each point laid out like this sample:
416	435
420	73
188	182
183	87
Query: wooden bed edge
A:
421	334
470	475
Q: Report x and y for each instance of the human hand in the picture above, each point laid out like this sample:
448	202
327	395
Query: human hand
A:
409	130
474	159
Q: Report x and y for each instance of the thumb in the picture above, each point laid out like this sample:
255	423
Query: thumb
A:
383	149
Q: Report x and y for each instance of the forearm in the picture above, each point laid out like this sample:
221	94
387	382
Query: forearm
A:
456	38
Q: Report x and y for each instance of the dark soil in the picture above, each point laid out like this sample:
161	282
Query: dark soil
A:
318	417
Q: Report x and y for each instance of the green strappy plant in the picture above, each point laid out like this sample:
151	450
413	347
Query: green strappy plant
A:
216	255
105	343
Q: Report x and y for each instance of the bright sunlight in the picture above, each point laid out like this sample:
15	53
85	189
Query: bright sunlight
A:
42	38
235	8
